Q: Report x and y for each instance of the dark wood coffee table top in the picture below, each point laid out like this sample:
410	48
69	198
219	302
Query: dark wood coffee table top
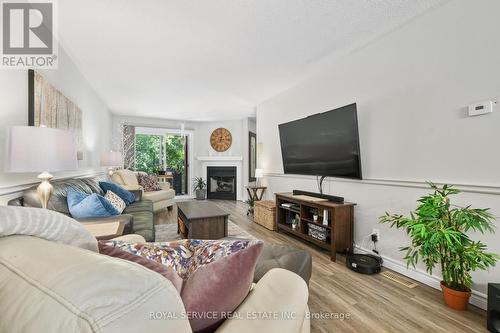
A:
194	210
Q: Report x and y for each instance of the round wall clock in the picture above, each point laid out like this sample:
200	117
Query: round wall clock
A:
221	139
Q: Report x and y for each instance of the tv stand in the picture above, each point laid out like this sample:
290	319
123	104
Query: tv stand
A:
310	214
331	198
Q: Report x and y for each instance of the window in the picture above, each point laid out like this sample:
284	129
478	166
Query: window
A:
160	154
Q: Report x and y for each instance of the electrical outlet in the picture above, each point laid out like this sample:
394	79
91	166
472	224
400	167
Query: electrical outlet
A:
376	232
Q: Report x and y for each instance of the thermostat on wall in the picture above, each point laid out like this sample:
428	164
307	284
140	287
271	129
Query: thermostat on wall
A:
480	108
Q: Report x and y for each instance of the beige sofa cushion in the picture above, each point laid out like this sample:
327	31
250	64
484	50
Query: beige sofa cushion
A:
49	287
279	292
125	177
47	224
159	195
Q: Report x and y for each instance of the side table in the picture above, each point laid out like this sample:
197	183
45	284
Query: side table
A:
105	230
255	193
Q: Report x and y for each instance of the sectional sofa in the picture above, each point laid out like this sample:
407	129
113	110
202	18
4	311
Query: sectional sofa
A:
138	216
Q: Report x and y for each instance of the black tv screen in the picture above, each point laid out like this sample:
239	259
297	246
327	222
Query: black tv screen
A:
324	144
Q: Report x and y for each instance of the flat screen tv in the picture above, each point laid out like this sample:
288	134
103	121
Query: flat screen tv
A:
324	144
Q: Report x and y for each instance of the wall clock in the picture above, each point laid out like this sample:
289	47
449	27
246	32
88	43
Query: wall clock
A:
221	139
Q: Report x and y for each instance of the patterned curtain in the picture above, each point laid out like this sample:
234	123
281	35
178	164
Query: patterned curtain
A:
129	147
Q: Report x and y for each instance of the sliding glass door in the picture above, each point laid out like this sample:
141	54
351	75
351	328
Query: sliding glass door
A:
175	159
164	154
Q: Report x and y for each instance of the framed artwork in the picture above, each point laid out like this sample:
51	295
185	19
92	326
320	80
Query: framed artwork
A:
252	156
48	107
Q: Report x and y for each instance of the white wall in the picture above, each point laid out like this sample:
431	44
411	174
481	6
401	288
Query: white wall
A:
96	118
412	87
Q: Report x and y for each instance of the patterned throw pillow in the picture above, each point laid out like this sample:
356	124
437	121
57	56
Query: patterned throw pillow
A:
115	200
167	272
148	182
217	274
126	196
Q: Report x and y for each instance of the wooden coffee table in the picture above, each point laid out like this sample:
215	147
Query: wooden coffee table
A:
201	220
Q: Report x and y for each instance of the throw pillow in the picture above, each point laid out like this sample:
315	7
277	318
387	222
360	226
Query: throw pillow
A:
46	224
149	182
218	274
220	286
84	205
126	196
116	201
167	272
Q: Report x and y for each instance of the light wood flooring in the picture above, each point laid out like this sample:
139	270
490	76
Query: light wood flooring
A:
373	303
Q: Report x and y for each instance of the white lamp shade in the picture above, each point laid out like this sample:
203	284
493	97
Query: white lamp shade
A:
259	173
111	159
39	149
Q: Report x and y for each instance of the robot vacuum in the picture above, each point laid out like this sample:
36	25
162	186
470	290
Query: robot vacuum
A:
364	263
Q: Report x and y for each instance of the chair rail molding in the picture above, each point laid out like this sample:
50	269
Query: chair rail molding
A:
470	188
16	188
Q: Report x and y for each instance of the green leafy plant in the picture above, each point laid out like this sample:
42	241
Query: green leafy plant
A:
174	152
438	232
199	184
250	202
148	153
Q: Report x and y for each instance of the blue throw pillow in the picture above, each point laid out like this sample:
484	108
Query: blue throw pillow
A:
126	196
84	205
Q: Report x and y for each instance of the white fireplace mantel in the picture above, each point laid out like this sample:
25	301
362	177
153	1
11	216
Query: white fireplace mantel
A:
219	158
236	161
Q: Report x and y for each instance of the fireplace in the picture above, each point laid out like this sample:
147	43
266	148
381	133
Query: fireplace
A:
221	182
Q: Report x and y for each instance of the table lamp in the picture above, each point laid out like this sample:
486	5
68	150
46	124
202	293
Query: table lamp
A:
40	149
111	159
259	173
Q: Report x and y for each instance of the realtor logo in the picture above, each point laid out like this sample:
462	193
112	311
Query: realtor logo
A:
28	35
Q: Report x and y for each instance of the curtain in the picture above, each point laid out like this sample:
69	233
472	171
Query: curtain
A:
129	147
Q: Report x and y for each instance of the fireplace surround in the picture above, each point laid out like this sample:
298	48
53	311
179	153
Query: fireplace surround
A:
221	182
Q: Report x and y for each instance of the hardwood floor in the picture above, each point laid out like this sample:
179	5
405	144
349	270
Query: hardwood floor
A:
361	303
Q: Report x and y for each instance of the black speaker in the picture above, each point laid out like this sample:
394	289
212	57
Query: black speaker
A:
494	307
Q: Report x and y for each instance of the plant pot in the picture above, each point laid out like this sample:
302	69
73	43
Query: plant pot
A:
457	300
200	194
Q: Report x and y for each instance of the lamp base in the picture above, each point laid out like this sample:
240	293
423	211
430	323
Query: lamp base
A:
45	188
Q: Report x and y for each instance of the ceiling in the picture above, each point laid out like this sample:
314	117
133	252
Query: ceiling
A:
211	60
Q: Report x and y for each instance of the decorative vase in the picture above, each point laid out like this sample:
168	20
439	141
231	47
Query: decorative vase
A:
200	194
457	300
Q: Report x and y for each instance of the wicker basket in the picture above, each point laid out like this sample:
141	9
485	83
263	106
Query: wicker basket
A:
265	213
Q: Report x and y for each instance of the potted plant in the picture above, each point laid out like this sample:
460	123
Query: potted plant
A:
251	204
438	231
200	188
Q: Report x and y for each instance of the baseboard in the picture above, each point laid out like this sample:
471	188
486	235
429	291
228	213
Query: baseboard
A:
477	299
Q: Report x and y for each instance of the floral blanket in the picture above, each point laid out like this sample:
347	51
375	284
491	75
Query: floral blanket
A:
186	255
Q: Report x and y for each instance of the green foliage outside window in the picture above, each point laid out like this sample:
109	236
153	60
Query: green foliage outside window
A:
147	153
174	153
148	156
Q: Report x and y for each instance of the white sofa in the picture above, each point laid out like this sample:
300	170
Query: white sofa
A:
51	287
161	199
